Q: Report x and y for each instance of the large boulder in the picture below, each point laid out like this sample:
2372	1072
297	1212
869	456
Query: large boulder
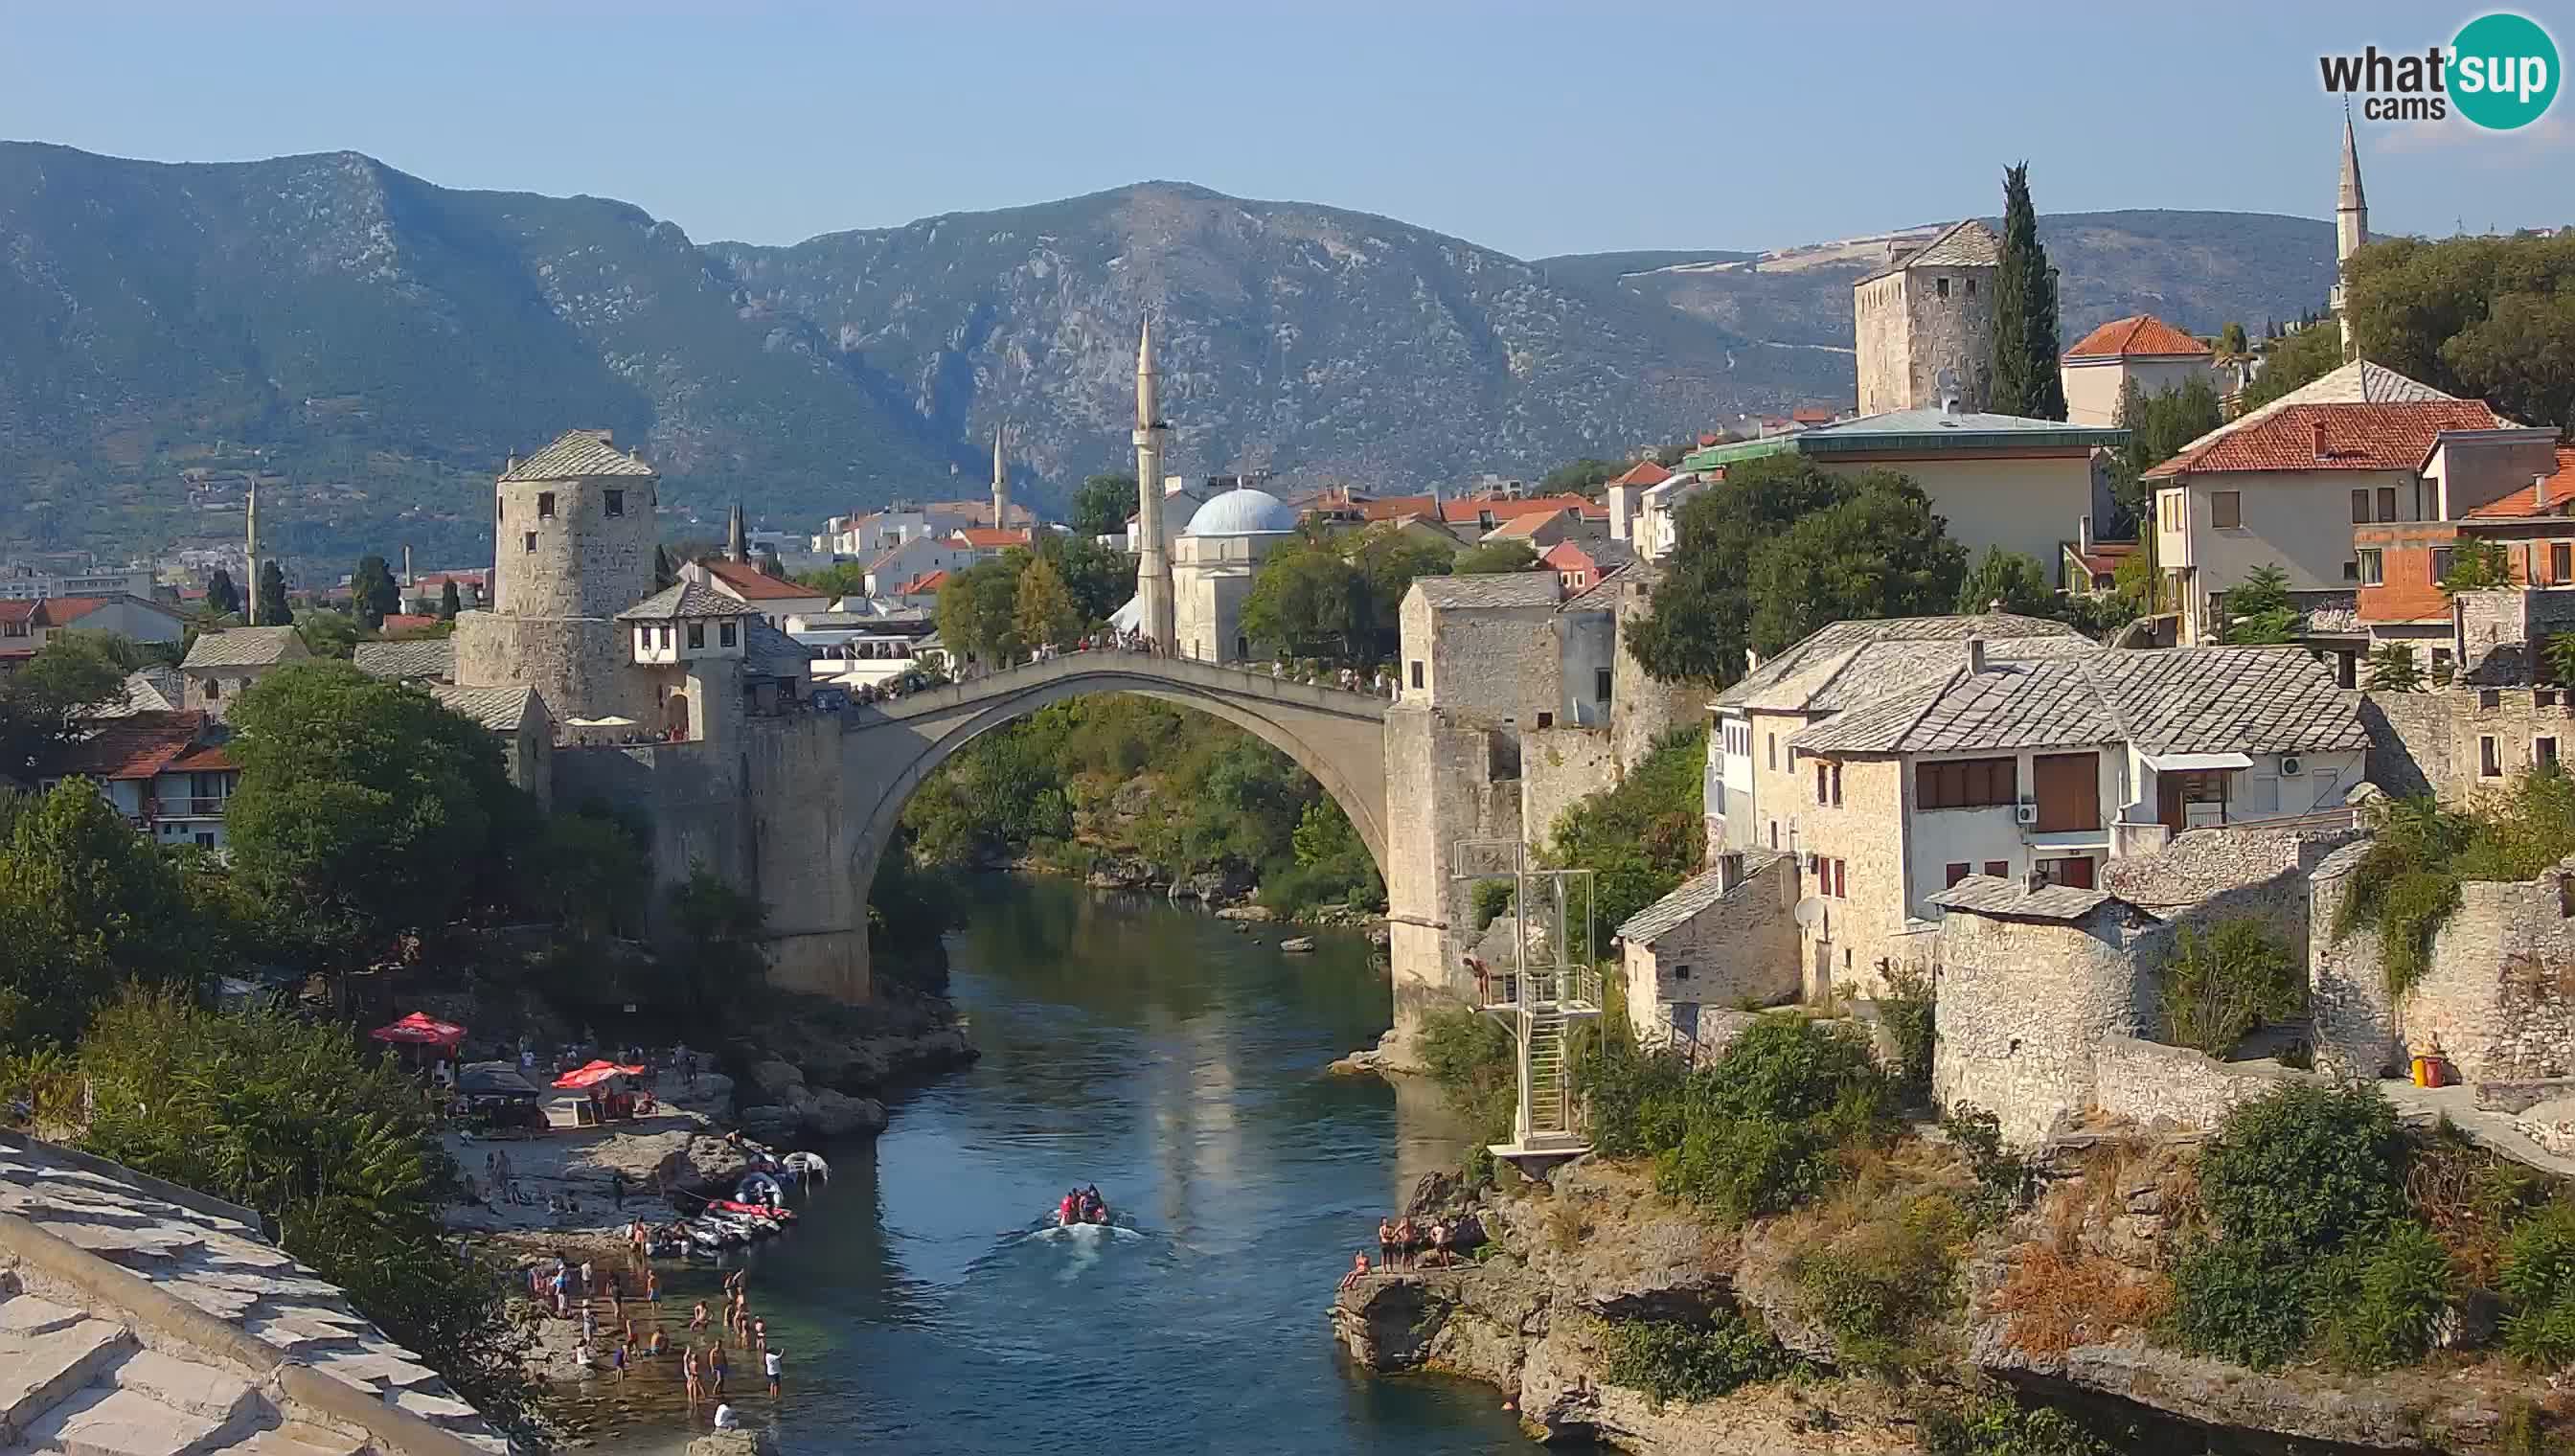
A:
703	1163
734	1443
828	1113
774	1077
771	1126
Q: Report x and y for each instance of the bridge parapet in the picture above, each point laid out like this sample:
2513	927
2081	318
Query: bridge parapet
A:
1249	685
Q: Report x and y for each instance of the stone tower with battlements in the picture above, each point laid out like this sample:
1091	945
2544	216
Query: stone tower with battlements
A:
1157	609
2351	229
573	532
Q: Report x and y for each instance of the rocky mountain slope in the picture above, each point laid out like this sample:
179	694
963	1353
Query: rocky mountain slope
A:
373	345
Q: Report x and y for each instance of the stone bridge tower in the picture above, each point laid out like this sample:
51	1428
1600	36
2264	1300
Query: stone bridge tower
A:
573	534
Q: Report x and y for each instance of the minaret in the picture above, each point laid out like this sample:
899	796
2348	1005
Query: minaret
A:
736	541
249	552
1154	599
2351	229
1001	485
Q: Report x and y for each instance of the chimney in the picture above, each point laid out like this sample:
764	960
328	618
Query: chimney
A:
2318	427
1729	870
2539	490
407	578
2083	535
2035	880
1975	656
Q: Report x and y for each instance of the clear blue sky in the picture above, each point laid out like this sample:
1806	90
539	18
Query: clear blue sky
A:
1535	129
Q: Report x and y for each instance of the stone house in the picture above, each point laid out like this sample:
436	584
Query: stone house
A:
2287	484
1924	323
2139	349
1582	564
221	663
2501	715
1724	939
675	635
1998	480
1540	530
518	719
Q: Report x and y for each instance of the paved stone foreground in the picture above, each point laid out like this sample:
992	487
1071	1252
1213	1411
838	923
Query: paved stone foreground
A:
141	1319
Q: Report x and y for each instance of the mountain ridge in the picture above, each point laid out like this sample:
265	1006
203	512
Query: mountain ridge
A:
374	345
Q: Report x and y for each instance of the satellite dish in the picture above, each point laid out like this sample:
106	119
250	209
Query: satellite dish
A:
1809	912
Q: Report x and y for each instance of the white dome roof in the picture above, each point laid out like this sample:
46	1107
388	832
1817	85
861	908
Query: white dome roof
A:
1244	512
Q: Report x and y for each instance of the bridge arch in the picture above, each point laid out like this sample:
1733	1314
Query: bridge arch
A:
891	748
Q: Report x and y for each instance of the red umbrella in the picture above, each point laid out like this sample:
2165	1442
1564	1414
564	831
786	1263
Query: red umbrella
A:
421	1030
595	1073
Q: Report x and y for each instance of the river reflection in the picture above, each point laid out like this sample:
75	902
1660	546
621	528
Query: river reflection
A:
1179	1065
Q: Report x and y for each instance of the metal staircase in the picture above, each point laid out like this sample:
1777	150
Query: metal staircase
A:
1543	997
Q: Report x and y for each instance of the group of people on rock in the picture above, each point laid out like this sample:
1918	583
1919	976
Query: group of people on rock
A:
1431	1241
1082	1205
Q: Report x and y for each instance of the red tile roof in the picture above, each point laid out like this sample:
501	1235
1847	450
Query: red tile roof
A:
2385	436
1456	512
2557	490
18	610
930	582
751	583
408	622
1643	472
984	537
204	758
2137	334
64	610
137	745
1522	526
1387	507
1812	415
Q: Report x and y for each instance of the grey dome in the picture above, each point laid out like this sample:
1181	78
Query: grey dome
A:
1244	512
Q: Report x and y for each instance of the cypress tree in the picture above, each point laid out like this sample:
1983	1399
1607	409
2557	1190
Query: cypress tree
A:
222	597
663	573
2025	379
273	611
449	603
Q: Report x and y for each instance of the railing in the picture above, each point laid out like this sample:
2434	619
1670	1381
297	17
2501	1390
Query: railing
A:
1576	990
1380	685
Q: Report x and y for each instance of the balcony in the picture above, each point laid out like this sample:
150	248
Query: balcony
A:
183	809
1572	992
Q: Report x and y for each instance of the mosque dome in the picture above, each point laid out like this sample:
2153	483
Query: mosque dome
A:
1244	512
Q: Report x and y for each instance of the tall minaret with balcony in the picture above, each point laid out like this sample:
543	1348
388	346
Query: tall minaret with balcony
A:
2351	229
1001	485
1156	608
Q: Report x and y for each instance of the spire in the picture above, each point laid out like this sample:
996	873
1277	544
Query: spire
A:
1001	485
1149	409
736	541
2350	197
250	549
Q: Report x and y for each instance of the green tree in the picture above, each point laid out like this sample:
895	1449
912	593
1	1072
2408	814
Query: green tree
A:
840	579
1878	551
335	1146
273	610
2559	654
44	704
1102	504
1641	839
373	593
449	602
770	564
2006	580
85	902
976	607
664	574
2296	360
721	936
2025	378
1492	557
1584	476
2230	340
589	873
2478	317
1391	561
2392	668
2258	611
221	598
2158	426
1102	579
328	634
1307	602
2225	980
359	799
1042	612
2477	565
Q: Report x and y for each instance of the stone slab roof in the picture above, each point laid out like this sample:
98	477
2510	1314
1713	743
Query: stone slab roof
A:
2175	700
769	652
148	690
246	647
1492	589
578	455
429	660
686	598
1696	894
1966	244
138	1318
502	710
1845	664
1984	895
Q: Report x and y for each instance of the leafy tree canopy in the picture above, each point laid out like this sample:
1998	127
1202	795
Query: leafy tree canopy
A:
2477	317
2296	359
1494	556
1307	602
2006	580
1102	504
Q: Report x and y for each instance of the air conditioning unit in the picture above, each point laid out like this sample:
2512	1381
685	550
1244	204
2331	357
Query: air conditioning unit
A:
2026	814
2290	767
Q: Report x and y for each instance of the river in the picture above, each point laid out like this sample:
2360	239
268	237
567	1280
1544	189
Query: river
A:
1179	1065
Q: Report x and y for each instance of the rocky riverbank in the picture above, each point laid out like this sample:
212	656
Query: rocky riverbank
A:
1538	1314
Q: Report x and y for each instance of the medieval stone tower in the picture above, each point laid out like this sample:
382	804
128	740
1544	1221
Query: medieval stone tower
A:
1926	324
572	534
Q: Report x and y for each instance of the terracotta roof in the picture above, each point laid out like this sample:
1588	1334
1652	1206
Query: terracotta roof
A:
1643	472
408	622
203	759
1524	525
1456	512
2134	336
64	610
23	610
985	535
2389	436
751	583
136	746
1388	507
927	582
1811	415
2548	497
578	455
2357	383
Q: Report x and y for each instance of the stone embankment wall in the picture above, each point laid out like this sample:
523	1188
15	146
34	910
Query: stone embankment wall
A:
2496	997
2433	742
2150	1083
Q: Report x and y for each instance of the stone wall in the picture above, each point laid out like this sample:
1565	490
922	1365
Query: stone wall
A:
2501	632
580	665
2354	1018
584	562
2148	1082
1444	763
2432	742
2024	1007
1559	766
1643	709
2498	997
2207	876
